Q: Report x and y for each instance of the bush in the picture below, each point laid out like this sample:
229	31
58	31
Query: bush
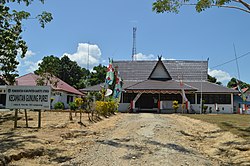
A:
78	102
59	105
175	106
72	106
106	107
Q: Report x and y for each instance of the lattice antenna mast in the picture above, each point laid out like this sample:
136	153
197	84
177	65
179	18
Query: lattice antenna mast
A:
134	44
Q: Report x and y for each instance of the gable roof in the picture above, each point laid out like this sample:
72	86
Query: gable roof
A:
159	72
30	80
184	69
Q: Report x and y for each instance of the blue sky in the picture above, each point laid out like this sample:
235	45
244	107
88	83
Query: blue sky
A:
107	27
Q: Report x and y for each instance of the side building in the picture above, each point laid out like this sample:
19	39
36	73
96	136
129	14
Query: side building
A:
62	92
154	85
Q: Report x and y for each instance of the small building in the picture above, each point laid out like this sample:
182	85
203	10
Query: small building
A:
154	85
2	93
62	92
241	106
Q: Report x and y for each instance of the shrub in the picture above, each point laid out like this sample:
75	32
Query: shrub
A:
78	102
59	105
106	107
175	105
72	106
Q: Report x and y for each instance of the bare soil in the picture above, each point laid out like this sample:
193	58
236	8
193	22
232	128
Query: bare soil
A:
122	139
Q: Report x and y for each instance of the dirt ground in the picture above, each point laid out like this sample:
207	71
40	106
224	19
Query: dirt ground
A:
122	139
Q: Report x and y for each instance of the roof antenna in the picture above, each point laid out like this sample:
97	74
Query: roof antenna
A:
134	44
236	59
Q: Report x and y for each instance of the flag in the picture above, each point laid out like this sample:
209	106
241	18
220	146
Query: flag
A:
243	96
118	86
110	73
184	98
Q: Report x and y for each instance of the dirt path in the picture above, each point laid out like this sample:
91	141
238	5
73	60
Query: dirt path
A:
123	139
142	139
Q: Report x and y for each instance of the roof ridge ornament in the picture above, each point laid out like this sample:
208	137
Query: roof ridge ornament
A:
159	57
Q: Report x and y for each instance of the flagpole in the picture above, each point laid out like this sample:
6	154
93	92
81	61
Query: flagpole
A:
201	90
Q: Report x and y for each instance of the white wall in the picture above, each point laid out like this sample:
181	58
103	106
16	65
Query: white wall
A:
224	108
60	96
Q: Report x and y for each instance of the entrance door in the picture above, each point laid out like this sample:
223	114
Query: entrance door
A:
147	101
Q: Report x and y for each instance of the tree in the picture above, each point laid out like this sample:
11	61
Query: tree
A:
48	69
10	37
50	64
233	83
161	6
65	69
98	76
213	79
70	72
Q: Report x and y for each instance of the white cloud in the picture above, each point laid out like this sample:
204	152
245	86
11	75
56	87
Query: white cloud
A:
86	53
141	56
25	64
28	54
31	66
221	76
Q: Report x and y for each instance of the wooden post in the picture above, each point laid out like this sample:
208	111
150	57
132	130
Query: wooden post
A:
26	118
39	118
16	116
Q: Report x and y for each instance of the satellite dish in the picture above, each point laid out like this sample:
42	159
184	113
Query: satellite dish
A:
108	92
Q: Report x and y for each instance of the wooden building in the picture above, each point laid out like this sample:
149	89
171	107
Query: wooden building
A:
154	85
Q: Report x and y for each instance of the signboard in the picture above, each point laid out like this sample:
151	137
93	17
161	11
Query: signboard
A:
28	97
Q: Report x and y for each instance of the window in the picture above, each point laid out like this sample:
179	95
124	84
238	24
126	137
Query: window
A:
69	99
215	98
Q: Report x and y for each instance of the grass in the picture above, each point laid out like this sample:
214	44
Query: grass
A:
234	123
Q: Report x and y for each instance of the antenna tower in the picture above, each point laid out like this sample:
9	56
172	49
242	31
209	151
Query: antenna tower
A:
134	44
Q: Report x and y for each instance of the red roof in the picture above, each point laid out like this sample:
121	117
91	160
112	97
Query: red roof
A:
30	80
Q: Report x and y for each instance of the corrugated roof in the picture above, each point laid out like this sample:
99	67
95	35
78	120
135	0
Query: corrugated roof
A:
208	87
30	80
159	85
178	69
98	87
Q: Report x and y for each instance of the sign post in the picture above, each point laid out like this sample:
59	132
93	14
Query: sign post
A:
28	97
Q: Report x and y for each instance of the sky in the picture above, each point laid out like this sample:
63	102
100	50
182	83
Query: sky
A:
103	29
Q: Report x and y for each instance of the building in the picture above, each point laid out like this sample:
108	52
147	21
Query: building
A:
2	93
154	85
241	106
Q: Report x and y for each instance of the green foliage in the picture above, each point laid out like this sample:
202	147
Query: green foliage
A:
72	106
202	5
232	83
50	64
99	75
11	42
59	105
213	80
161	6
175	105
204	107
65	69
172	6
